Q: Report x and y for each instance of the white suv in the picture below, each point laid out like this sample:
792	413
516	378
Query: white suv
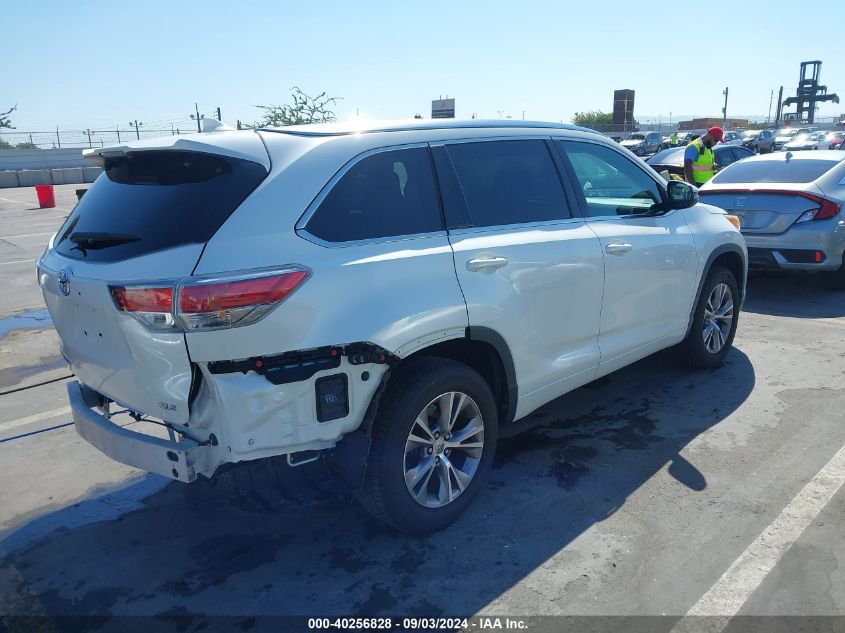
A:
389	296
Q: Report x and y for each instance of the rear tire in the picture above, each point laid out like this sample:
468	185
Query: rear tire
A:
419	479
714	321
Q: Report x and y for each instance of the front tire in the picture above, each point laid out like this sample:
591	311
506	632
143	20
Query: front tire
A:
714	321
433	441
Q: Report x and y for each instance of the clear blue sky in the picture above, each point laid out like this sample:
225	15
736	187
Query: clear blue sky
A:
94	64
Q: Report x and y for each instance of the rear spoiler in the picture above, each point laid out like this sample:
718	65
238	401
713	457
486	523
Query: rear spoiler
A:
245	144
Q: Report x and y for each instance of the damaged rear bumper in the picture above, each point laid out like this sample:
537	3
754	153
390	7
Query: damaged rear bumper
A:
176	460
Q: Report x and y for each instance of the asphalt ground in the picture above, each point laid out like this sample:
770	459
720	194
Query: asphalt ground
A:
684	500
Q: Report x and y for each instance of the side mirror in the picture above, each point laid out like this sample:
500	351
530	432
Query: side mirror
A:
682	195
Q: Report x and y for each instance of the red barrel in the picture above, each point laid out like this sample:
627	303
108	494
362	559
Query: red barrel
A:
46	196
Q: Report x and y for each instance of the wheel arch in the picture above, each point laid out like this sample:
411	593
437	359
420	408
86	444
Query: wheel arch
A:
732	257
487	352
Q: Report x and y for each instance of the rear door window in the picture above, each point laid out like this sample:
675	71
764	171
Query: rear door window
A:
794	171
149	201
508	182
387	194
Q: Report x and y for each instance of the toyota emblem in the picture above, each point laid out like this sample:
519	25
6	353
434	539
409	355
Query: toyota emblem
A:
63	281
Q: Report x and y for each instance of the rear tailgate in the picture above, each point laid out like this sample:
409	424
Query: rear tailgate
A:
142	226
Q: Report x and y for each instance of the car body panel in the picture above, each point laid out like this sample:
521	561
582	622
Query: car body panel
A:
636	314
554	275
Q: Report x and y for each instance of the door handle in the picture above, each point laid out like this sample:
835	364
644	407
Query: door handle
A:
618	248
481	264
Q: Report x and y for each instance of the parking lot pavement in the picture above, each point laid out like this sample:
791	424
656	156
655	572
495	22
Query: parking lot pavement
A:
25	230
640	494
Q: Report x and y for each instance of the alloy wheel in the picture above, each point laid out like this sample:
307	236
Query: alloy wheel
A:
443	449
718	318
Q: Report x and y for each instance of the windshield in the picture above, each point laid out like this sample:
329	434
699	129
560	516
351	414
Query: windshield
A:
804	137
785	171
750	134
636	137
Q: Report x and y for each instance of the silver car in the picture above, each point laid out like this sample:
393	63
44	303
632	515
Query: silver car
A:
810	140
789	205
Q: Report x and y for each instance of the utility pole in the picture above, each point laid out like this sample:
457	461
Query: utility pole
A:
172	132
88	134
196	107
117	130
219	116
30	140
725	109
771	96
780	107
136	126
58	138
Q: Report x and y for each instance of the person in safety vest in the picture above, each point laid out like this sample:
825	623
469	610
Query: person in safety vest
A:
674	139
699	162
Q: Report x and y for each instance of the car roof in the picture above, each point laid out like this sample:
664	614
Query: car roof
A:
364	126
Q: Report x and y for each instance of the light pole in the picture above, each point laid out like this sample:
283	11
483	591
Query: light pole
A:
771	96
725	109
197	109
136	125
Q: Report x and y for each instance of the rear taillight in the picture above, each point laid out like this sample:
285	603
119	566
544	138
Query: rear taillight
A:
152	306
225	302
827	209
206	303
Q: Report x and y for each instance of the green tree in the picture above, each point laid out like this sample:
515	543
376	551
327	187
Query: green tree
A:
4	144
303	109
26	145
593	118
5	121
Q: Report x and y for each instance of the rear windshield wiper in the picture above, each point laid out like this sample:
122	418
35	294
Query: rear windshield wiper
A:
93	240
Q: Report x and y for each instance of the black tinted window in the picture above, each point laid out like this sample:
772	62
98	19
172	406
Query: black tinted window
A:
384	195
798	171
149	201
610	182
724	157
508	182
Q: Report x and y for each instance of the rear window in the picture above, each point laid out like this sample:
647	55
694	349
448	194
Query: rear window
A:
794	171
150	201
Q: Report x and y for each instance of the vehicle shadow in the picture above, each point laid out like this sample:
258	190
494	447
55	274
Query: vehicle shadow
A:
200	551
792	295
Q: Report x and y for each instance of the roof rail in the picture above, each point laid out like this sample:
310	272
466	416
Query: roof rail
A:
372	126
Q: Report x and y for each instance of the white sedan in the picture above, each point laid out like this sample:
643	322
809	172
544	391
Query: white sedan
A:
811	140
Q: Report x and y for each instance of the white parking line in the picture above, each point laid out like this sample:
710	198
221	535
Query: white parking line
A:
725	598
11	237
38	417
18	261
